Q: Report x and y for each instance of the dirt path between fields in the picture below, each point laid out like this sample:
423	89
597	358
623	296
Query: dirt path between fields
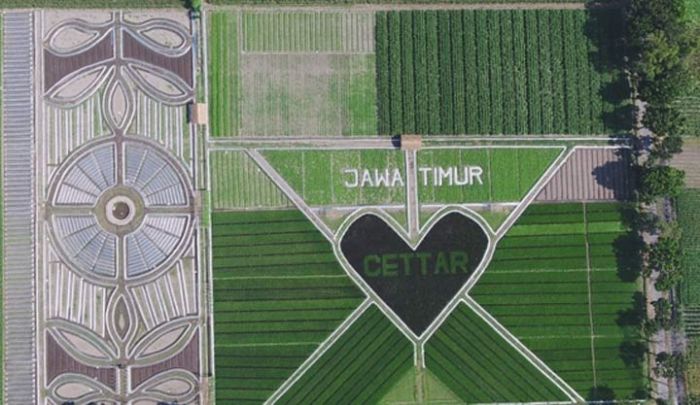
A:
436	6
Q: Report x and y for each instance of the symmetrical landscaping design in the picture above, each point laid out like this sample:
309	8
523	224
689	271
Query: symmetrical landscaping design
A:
213	208
118	269
558	273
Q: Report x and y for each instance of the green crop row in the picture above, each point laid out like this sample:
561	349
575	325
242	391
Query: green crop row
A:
360	367
494	72
278	293
557	278
480	367
689	219
224	77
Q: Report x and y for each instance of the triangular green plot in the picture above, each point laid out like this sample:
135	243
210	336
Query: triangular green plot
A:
481	175
478	365
420	386
435	391
403	392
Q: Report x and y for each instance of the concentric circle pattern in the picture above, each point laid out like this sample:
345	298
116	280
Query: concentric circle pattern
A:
148	182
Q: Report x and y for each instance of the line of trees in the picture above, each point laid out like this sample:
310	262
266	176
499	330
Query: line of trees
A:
661	50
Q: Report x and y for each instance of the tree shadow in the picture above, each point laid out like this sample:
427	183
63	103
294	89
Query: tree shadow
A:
614	175
605	33
602	395
632	353
634	315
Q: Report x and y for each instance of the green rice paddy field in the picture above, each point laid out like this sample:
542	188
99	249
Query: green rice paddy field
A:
559	282
562	281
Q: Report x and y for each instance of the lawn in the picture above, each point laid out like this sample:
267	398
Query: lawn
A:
564	281
320	177
497	72
292	73
278	293
508	174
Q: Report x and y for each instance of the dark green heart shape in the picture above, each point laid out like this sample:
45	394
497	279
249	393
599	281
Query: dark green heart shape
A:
415	284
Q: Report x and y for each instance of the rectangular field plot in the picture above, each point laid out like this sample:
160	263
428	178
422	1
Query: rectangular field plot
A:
689	218
292	73
276	32
360	367
496	72
307	94
321	177
224	73
278	293
481	367
506	174
564	280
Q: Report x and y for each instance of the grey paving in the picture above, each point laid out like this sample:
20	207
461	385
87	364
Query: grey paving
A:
18	129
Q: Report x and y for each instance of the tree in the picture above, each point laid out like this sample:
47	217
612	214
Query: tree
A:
663	120
661	181
669	365
664	314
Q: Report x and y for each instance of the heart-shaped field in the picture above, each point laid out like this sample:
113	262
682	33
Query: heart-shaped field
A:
415	284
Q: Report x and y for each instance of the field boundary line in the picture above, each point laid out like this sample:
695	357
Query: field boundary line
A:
412	203
582	5
590	295
278	277
384	142
269	344
523	350
295	198
320	351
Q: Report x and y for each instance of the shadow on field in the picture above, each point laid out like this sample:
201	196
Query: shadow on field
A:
605	33
602	395
632	353
629	247
634	315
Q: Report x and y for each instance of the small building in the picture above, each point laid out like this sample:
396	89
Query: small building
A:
411	142
199	113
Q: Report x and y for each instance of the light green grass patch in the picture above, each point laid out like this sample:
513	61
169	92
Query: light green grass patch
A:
224	75
507	174
320	177
420	386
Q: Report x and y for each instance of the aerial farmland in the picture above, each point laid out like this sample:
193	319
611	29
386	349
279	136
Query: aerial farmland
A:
356	202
